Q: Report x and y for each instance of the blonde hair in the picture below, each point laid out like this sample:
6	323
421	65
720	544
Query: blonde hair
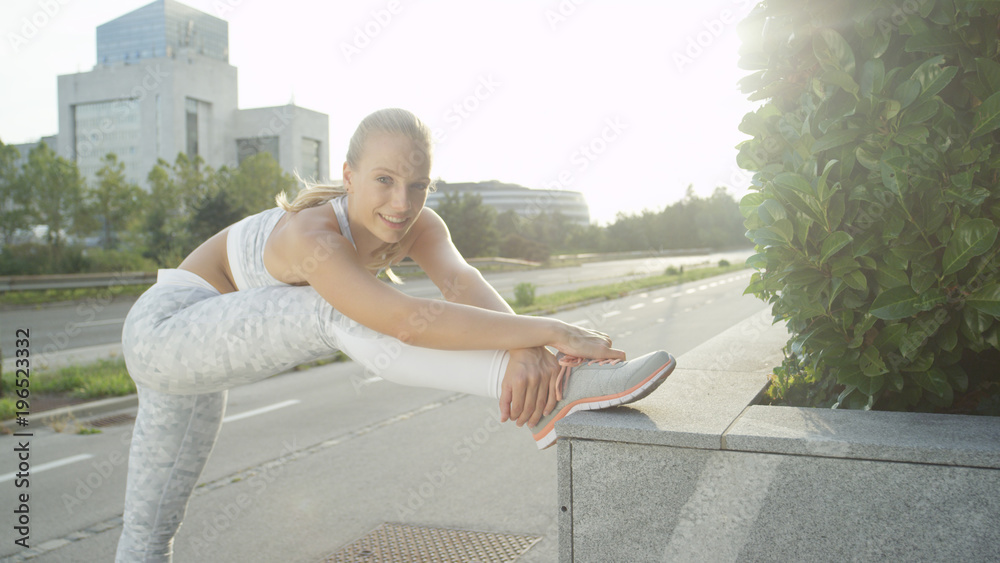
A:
391	120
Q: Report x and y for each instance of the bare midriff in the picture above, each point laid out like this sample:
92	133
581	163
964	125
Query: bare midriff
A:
211	262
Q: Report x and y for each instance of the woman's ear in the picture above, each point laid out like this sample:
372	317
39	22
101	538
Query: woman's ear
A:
347	177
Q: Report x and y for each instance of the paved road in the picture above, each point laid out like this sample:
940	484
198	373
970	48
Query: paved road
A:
312	460
93	322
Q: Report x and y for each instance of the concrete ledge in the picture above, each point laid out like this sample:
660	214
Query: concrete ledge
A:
970	441
698	472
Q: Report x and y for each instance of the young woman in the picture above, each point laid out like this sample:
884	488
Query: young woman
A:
298	281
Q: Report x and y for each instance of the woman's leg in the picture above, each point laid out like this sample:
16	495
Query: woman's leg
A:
185	344
173	436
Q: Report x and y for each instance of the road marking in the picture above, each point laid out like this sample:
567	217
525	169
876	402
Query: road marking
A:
709	302
692	290
49	465
702	287
689	309
660	299
637	306
580	322
678	294
661	320
611	314
100	323
713	284
261	410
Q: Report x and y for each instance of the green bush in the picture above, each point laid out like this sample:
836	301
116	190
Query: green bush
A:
874	207
524	294
723	263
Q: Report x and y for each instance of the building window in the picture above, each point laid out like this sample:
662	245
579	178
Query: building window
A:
100	128
245	148
191	121
309	168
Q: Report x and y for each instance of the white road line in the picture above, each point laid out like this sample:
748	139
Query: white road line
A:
261	410
692	290
49	465
637	306
702	287
611	314
713	284
688	310
678	294
661	320
580	322
661	299
100	323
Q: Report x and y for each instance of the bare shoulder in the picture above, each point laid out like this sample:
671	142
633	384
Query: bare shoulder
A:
299	235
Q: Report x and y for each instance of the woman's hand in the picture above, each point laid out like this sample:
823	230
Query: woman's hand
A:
582	342
528	387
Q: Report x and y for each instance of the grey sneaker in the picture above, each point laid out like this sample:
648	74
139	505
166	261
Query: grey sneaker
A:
598	384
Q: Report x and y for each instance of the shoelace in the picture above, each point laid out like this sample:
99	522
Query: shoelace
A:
567	363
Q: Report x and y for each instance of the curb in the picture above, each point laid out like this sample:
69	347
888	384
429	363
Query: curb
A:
77	411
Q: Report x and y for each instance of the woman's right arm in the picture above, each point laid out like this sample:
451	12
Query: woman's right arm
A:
330	264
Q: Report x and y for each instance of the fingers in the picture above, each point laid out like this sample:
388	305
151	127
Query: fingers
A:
505	397
540	402
529	401
553	396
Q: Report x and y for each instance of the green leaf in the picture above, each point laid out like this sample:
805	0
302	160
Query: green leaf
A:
896	303
750	203
988	71
889	277
793	181
935	381
832	51
770	211
836	139
970	239
932	77
871	362
841	79
934	41
907	92
912	135
986	117
832	244
872	78
856	280
985	299
921	112
894	173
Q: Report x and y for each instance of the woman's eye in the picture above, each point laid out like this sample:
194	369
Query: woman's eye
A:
384	179
420	187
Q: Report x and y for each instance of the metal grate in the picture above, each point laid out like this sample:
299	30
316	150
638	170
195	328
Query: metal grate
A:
111	420
399	543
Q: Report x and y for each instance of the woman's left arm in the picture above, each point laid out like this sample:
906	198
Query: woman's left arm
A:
531	377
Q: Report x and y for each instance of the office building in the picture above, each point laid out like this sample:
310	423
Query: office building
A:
163	85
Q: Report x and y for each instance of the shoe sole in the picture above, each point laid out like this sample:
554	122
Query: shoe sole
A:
547	435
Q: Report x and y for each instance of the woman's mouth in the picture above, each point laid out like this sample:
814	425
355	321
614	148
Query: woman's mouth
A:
394	222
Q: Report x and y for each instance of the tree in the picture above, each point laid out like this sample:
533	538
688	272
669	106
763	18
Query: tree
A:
56	195
114	201
13	196
472	224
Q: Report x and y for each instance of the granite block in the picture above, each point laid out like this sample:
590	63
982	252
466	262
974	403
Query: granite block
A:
947	439
691	409
659	503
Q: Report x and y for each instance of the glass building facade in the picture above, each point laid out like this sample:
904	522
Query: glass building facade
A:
161	29
107	127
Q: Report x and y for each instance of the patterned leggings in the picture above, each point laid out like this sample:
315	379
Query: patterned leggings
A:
185	344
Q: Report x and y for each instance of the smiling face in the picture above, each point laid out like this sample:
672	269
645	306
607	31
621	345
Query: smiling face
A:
388	186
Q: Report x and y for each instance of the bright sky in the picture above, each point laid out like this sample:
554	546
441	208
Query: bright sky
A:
627	102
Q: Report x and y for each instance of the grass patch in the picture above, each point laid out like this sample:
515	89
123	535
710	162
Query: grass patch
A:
101	379
552	301
42	296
